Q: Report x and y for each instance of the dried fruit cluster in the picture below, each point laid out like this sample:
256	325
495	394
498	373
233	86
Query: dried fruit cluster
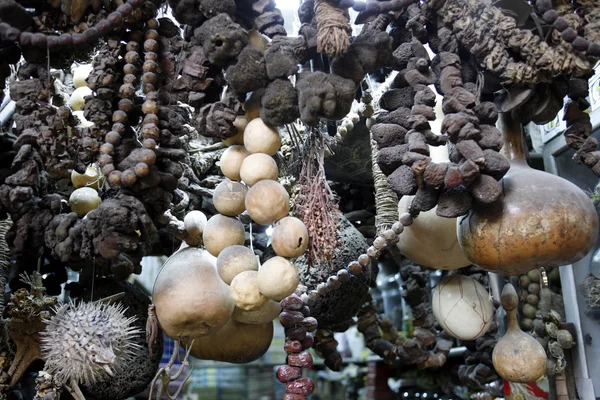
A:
297	322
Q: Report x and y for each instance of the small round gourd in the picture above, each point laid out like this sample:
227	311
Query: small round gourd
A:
462	307
194	223
261	138
221	232
77	99
258	167
277	278
240	123
231	161
289	237
234	260
244	291
267	201
252	105
517	357
257	40
80	74
268	312
229	197
84	200
91	178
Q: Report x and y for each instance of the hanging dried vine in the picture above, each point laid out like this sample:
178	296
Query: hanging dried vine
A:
316	205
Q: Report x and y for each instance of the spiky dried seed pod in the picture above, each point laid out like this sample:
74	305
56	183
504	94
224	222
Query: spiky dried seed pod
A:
87	341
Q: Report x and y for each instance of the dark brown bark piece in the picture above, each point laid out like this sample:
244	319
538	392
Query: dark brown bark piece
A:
416	142
491	138
486	190
453	204
435	174
390	158
469	172
388	135
470	149
496	165
425	199
402	181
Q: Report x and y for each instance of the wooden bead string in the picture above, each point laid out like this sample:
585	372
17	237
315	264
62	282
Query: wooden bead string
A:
149	132
40	40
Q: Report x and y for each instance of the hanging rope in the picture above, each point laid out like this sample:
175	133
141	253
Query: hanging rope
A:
333	29
386	200
4	259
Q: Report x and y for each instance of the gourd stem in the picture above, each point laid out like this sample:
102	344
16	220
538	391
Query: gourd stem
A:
514	146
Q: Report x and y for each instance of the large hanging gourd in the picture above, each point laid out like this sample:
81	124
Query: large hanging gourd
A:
190	298
540	219
517	357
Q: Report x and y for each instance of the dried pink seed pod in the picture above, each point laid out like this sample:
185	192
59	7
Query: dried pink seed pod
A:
290	319
297	333
308	341
310	323
292	302
287	373
292	346
302	359
304	387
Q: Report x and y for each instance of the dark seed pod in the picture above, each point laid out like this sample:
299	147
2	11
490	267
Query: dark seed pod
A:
297	333
115	18
125	9
52	42
78	41
103	27
290	319
355	268
310	324
560	24
292	346
569	34
292	303
580	44
550	16
302	359
304	387
39	41
288	373
65	40
26	38
91	35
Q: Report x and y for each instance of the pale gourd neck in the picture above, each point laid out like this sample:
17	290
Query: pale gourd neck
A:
512	133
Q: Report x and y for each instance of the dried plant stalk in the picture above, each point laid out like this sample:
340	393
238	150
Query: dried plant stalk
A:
386	200
316	204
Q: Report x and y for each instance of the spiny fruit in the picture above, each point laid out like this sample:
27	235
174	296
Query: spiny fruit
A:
87	341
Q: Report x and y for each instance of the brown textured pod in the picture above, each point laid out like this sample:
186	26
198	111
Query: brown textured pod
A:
287	373
540	220
304	386
303	359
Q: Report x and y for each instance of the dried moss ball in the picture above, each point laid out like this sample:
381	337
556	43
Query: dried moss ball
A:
84	200
244	291
221	232
231	161
257	167
277	278
240	123
229	198
261	138
289	237
267	201
235	259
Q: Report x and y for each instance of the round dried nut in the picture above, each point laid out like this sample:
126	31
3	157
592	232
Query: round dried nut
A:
355	268
343	275
364	260
333	283
292	346
151	45
287	373
406	219
290	319
292	303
